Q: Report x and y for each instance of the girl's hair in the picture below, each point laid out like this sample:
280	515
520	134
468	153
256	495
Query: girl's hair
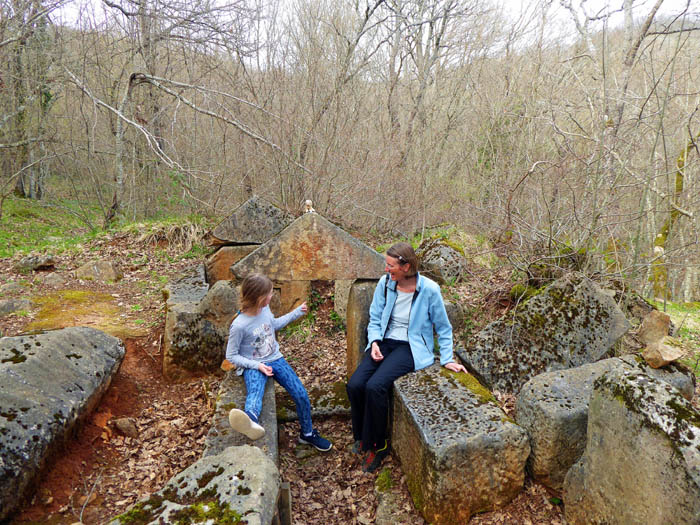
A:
405	254
254	287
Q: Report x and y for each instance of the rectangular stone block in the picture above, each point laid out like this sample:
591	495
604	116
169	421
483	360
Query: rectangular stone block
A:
218	265
232	394
459	451
359	301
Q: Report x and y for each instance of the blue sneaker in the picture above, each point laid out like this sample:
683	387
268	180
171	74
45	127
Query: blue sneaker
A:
317	441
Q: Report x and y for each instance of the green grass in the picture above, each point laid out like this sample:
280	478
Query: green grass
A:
28	225
33	226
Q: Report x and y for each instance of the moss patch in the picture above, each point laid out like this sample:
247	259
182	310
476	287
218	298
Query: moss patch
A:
384	482
472	383
211	512
81	308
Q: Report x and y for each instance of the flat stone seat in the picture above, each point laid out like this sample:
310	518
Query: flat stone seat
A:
553	409
232	394
459	452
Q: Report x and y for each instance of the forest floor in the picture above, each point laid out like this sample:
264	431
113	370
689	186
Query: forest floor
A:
101	472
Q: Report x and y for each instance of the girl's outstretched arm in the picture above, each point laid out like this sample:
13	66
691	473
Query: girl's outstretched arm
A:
281	322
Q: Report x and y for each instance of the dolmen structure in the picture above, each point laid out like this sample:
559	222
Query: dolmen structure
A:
460	453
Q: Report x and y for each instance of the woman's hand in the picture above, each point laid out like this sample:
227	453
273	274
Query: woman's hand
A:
375	352
303	307
267	370
455	367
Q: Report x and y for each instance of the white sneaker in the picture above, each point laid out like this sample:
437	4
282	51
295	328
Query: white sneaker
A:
241	422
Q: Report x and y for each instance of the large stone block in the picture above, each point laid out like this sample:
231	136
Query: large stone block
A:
253	222
359	301
218	265
49	382
239	485
570	323
309	249
459	452
232	394
553	409
197	321
642	458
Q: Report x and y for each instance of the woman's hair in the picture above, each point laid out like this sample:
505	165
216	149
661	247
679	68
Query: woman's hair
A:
405	254
254	287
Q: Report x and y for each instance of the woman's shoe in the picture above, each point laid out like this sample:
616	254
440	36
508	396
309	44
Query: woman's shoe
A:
243	423
356	447
374	458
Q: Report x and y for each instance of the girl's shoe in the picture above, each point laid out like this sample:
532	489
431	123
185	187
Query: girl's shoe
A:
243	423
316	440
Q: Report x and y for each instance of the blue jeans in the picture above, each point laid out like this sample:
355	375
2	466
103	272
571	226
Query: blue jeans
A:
255	382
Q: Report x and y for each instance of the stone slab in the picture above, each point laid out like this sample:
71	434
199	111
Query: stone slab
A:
196	330
570	323
218	264
253	222
239	485
459	452
50	381
359	301
232	393
312	248
642	458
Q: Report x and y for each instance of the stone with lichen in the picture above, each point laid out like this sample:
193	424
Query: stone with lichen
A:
459	452
196	330
440	261
50	381
253	222
569	323
312	248
642	458
553	409
239	485
232	394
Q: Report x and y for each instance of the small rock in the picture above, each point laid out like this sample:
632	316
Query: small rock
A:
10	287
8	306
654	327
662	353
126	426
52	279
99	271
35	262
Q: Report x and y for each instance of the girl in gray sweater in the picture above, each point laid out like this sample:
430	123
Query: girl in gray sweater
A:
253	348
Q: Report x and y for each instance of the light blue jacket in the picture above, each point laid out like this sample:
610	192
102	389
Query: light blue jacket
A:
427	311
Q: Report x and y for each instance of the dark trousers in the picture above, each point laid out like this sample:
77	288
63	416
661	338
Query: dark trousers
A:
369	389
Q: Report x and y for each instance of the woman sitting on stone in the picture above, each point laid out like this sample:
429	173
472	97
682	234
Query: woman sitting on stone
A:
405	309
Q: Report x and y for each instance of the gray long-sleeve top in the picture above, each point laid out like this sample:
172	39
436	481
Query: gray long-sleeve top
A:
251	339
